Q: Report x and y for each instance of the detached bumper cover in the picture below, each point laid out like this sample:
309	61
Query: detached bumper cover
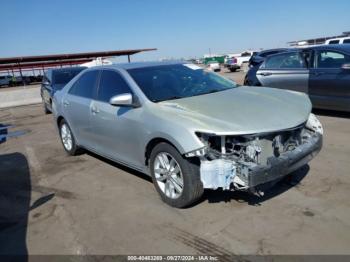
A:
286	163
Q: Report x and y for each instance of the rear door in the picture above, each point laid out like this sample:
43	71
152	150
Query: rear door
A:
285	71
77	104
329	83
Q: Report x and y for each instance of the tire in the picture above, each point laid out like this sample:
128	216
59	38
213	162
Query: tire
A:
233	69
246	82
73	149
192	188
46	110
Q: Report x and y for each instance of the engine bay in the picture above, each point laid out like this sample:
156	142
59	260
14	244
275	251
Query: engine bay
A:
228	161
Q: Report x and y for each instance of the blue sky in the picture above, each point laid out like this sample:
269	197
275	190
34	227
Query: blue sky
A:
178	28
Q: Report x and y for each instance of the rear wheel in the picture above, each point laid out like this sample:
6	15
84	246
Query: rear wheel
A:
233	69
176	179
67	139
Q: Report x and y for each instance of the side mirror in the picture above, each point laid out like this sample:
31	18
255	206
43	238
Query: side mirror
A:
122	100
346	66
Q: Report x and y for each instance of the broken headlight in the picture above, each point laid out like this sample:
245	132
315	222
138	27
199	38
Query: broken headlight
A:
314	124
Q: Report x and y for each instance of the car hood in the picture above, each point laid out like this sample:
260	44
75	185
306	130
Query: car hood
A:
243	110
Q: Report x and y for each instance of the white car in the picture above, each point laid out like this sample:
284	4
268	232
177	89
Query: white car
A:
214	66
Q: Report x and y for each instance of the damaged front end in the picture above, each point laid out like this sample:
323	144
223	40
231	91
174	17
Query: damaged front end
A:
244	162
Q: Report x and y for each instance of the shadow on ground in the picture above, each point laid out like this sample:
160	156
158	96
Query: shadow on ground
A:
15	193
15	199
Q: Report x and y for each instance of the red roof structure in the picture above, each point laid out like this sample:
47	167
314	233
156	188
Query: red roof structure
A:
45	61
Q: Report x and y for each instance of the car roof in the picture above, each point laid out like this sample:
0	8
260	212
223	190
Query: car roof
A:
276	49
339	47
135	65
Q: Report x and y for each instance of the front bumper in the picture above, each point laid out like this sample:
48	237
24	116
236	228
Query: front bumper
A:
278	167
223	172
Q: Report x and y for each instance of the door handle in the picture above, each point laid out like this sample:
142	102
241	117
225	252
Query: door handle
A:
95	110
65	103
265	73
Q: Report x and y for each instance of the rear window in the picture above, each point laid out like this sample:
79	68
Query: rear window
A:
63	77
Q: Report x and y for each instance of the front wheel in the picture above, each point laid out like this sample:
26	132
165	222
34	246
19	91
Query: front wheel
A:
176	178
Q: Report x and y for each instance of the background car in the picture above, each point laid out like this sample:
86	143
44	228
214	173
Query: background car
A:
5	80
236	61
339	40
323	72
53	80
19	80
214	66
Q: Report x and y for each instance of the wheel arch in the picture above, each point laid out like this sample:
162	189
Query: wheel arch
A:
59	119
155	141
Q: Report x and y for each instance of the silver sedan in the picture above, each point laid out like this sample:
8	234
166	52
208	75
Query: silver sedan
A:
188	128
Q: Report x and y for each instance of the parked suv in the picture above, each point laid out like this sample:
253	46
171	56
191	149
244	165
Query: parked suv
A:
322	72
53	80
188	128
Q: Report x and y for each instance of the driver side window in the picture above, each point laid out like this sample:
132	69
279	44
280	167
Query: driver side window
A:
111	84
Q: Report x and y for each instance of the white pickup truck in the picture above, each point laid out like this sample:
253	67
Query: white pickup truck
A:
235	61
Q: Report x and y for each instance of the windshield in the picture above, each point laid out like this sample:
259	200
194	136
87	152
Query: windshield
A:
169	82
63	77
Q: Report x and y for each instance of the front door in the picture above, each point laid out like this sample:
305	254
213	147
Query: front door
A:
329	83
115	128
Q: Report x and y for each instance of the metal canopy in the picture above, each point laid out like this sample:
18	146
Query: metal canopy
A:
60	57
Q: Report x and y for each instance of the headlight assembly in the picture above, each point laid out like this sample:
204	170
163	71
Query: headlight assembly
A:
314	124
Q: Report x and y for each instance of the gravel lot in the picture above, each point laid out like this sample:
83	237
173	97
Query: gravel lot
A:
54	204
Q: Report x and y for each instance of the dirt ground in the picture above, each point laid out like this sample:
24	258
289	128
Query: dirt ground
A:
51	203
